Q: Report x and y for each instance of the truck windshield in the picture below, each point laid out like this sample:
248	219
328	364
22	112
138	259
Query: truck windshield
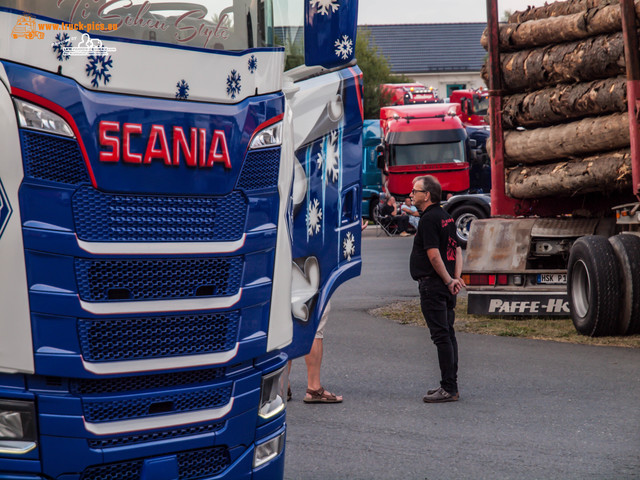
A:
230	25
427	153
480	105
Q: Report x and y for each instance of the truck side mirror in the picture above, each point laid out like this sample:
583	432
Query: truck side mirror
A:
381	161
330	36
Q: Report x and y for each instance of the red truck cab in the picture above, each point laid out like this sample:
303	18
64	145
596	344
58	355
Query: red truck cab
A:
407	94
426	139
474	105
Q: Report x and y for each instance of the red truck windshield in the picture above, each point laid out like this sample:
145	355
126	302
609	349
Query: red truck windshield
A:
480	105
427	153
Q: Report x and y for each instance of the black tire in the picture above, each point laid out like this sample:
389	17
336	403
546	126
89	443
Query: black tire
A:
373	204
463	217
593	286
627	250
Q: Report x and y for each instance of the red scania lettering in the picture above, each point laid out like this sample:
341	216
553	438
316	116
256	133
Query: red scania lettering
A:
113	142
129	129
157	133
197	149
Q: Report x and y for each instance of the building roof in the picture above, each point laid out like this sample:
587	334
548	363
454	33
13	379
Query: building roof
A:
430	47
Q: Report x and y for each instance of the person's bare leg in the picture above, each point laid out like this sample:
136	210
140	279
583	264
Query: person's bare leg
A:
314	363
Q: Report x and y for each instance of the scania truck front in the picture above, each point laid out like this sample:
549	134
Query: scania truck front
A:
179	198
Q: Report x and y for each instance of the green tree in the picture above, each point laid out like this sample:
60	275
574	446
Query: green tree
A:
375	71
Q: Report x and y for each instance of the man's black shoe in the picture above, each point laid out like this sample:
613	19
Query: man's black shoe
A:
439	395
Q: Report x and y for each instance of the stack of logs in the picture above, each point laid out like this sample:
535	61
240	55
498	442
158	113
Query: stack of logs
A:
566	127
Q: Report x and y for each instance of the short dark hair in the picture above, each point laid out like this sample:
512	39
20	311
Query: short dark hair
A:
432	185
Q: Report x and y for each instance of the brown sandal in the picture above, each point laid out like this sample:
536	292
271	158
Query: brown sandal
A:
321	396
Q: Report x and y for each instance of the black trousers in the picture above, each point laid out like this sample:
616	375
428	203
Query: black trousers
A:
437	305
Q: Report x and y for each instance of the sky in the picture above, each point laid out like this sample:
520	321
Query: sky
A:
376	12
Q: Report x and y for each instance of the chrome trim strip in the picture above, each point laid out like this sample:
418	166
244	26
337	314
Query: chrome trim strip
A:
164	421
164	248
167	363
155	306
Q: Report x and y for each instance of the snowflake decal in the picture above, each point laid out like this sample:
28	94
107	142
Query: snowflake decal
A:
325	5
319	161
62	41
314	215
348	246
332	156
344	47
183	90
253	64
97	68
233	84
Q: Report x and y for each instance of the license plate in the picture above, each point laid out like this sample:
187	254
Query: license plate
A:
552	278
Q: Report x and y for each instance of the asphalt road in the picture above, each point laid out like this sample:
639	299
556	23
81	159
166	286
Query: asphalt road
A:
528	409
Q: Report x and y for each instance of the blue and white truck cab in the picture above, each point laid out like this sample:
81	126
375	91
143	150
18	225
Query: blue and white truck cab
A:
179	198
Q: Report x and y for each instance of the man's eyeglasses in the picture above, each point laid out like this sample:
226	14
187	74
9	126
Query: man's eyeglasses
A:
414	191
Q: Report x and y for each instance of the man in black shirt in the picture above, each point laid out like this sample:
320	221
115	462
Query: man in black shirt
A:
436	263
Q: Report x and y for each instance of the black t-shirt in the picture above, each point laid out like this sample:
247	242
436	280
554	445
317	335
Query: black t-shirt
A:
436	229
386	210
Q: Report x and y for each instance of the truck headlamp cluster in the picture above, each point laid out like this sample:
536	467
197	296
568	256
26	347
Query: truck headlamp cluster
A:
272	393
17	426
270	136
34	117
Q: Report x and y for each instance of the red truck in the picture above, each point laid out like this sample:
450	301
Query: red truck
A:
407	94
430	140
569	242
474	105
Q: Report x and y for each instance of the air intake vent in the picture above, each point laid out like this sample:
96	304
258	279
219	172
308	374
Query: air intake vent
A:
193	464
49	157
154	405
157	337
260	169
120	279
102	217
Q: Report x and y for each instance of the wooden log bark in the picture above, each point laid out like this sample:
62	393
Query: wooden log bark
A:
590	59
563	103
557	9
606	172
575	139
596	21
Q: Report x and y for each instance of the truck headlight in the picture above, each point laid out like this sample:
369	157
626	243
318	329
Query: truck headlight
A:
272	393
35	117
268	450
17	426
270	136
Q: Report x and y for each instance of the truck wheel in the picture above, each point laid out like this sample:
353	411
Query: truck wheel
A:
627	250
593	286
463	217
373	204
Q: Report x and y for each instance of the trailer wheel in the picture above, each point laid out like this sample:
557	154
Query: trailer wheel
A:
463	217
627	250
593	286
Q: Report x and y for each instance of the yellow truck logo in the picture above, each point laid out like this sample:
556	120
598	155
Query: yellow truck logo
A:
26	27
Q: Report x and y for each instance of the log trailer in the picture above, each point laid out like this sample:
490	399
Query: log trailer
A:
430	140
176	210
565	154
